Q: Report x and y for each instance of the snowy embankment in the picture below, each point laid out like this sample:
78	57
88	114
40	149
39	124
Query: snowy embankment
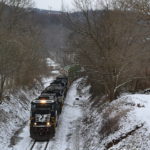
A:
123	124
15	112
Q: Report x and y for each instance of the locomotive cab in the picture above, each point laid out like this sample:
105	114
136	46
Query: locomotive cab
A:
43	119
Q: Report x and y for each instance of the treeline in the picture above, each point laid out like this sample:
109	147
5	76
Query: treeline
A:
111	41
22	62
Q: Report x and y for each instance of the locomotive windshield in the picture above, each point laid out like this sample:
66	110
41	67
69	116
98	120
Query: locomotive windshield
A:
40	111
42	107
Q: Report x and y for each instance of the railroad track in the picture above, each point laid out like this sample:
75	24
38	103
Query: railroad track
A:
32	145
46	145
38	145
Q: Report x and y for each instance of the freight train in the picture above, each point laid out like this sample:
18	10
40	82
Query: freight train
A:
45	109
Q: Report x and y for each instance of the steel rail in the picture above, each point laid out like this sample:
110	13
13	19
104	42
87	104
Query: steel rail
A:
46	145
32	145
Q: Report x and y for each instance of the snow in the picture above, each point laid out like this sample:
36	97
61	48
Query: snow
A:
23	144
52	63
133	111
55	72
142	114
47	81
14	113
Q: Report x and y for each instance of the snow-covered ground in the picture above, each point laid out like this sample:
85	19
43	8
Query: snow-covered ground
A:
52	63
123	124
13	116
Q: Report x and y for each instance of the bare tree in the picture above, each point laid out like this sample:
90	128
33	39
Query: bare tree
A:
21	59
109	44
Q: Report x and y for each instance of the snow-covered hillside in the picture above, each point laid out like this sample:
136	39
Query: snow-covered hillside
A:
14	115
123	124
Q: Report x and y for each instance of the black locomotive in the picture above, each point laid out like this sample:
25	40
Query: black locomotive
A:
46	109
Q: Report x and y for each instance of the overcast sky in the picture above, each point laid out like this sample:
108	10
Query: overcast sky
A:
53	4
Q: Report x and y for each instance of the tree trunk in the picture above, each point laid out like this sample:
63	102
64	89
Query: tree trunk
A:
112	95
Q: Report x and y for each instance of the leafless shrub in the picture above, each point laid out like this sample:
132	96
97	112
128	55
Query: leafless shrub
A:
87	120
110	124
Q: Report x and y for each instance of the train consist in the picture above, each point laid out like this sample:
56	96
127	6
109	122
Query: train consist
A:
46	109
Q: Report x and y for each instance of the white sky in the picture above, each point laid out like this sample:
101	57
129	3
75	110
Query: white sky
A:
53	4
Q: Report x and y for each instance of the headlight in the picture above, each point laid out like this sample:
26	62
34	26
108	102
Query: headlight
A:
48	124
42	101
35	123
